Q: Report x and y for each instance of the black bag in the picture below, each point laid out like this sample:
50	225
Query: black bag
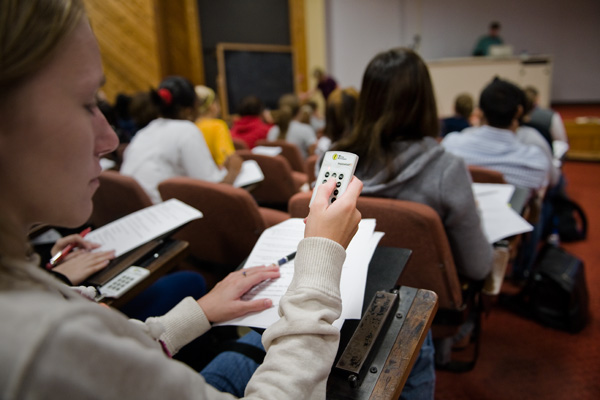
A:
569	219
556	293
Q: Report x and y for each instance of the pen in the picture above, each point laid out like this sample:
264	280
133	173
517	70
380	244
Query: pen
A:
64	252
286	259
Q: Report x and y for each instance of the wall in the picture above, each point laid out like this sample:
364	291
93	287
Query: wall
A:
316	46
142	41
126	33
357	29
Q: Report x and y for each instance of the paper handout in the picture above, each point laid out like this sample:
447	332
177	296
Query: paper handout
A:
140	227
282	239
498	220
249	174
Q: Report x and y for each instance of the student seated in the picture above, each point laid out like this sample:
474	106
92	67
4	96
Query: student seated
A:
494	145
57	344
215	130
172	145
250	126
339	118
463	107
289	128
545	120
395	135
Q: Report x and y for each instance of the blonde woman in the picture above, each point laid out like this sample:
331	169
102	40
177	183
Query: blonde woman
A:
215	130
56	344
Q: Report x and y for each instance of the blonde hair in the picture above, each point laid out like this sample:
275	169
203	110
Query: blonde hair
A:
340	111
30	31
206	97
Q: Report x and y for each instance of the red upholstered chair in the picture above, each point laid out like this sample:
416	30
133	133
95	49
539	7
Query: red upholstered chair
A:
290	151
231	224
431	266
280	181
485	175
310	164
412	226
117	196
239	144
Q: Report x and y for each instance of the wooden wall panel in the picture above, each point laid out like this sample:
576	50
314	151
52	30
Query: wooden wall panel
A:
298	42
179	32
127	34
142	41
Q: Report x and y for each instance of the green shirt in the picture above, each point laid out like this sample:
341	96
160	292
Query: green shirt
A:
484	43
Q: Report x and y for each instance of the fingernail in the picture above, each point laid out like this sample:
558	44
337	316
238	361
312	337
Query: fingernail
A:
268	303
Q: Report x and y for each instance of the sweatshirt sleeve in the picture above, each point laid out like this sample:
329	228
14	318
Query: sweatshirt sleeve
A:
182	324
471	250
93	352
302	345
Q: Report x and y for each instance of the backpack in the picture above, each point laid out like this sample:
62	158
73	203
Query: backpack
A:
568	218
556	293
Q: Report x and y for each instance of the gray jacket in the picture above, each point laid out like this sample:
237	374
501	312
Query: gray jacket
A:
423	172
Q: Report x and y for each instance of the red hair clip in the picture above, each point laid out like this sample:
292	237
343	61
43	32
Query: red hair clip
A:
165	95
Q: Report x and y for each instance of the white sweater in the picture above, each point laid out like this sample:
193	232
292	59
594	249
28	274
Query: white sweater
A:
56	344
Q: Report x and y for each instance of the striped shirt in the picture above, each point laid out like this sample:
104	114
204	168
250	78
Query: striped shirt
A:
498	149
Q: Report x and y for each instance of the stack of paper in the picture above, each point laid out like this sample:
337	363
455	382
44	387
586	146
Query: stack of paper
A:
283	239
498	220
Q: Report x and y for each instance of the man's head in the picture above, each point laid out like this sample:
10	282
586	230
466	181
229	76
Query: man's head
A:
463	105
501	103
494	28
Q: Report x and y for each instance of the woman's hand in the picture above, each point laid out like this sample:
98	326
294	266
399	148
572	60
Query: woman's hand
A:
233	164
81	264
338	221
224	301
76	240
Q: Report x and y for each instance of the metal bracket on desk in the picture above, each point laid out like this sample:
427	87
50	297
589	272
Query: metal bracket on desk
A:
363	359
361	348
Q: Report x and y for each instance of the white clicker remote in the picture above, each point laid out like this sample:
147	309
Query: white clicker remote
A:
338	165
123	282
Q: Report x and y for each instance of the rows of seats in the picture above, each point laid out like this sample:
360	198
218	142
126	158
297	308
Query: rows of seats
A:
234	218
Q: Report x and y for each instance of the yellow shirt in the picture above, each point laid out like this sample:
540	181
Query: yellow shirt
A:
217	137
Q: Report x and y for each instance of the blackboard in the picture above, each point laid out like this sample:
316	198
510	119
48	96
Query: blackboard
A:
266	71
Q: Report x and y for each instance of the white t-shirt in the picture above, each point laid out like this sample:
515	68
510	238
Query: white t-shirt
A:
167	148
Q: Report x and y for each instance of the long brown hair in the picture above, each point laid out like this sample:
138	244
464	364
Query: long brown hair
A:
396	103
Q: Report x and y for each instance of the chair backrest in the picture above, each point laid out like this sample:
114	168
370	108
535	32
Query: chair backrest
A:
239	144
412	226
278	186
231	222
290	151
310	163
485	175
117	196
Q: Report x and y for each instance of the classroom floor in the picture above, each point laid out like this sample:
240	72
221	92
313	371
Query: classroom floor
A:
521	359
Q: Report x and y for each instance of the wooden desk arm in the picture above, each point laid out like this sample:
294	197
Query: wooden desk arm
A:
407	346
